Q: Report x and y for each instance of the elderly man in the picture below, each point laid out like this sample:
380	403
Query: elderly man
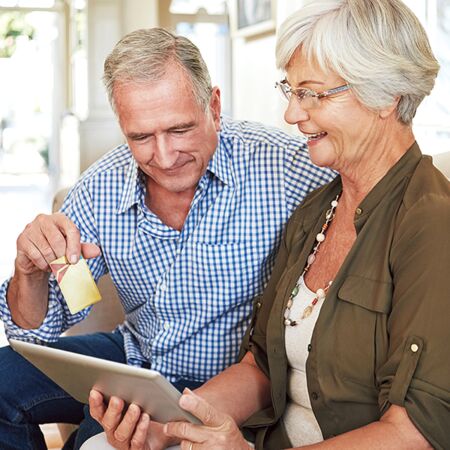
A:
186	218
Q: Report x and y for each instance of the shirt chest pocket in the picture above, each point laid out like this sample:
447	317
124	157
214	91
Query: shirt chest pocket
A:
361	334
232	273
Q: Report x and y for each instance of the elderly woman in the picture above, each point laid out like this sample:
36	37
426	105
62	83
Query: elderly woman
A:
349	344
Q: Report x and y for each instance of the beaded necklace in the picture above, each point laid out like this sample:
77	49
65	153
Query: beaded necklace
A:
321	292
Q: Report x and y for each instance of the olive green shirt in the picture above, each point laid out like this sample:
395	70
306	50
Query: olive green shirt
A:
383	333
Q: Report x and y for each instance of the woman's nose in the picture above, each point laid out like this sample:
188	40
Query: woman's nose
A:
295	113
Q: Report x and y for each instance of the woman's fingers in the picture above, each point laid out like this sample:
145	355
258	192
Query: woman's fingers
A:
201	409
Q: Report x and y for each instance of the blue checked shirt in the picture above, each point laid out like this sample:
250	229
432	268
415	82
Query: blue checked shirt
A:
187	294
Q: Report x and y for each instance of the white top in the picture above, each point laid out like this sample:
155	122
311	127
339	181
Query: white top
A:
299	420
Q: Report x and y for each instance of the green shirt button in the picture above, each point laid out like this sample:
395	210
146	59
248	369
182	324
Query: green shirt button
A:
359	211
314	395
309	347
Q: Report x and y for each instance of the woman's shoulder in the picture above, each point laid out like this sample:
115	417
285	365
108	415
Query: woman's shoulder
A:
428	186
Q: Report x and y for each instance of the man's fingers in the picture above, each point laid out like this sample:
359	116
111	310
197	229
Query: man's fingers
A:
96	406
72	237
113	414
45	239
90	250
140	435
125	429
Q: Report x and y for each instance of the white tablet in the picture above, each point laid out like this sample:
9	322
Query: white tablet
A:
78	374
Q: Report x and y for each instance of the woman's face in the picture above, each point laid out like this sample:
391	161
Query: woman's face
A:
341	132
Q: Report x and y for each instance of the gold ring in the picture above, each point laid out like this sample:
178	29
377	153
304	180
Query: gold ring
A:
191	446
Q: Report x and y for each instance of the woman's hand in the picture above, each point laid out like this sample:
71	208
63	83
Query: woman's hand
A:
130	431
219	431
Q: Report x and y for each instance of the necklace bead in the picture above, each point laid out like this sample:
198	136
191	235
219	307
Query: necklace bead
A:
320	237
321	292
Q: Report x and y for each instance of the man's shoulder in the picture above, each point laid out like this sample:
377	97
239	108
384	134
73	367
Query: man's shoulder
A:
256	133
116	160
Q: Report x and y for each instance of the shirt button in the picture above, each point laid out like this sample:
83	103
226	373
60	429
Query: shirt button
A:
359	211
258	305
166	325
314	395
414	348
309	347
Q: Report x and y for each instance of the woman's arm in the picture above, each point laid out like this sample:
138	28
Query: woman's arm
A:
238	391
394	430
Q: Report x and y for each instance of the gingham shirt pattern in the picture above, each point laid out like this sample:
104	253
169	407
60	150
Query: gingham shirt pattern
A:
187	295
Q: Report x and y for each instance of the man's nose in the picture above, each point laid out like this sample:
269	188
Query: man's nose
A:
165	155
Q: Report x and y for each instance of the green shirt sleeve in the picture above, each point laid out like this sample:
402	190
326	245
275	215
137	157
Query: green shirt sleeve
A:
416	374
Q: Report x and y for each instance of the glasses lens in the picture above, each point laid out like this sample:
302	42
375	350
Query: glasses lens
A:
307	98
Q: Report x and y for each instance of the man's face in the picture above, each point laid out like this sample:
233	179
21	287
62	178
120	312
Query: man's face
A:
170	135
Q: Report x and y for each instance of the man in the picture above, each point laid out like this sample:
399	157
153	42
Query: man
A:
186	218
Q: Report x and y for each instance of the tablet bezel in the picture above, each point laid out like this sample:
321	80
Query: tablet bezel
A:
77	374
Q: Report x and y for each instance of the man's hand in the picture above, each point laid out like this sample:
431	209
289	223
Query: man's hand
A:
131	430
47	238
219	430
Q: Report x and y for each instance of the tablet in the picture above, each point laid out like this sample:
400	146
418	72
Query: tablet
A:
78	374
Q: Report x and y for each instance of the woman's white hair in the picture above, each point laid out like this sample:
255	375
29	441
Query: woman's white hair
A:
377	46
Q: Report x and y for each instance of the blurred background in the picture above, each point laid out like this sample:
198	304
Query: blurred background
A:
55	119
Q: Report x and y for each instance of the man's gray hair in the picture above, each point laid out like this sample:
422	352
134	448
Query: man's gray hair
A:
145	55
377	46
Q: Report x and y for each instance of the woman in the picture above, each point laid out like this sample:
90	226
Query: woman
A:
348	347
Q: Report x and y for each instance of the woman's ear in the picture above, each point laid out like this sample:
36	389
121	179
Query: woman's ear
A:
388	110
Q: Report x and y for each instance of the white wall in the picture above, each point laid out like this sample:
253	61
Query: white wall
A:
254	75
108	21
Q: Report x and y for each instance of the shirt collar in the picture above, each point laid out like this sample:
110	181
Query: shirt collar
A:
132	190
397	174
220	163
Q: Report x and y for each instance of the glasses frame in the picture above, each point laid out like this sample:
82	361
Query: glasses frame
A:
304	93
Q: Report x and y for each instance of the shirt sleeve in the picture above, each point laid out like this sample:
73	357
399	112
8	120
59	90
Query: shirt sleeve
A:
416	374
79	208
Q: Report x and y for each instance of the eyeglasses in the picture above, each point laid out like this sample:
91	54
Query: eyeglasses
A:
309	99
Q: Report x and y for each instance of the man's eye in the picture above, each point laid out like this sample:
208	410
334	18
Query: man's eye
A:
140	138
180	131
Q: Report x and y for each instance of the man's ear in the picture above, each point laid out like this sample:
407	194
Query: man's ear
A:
215	107
388	110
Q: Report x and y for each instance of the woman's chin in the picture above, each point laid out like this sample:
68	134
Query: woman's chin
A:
321	158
